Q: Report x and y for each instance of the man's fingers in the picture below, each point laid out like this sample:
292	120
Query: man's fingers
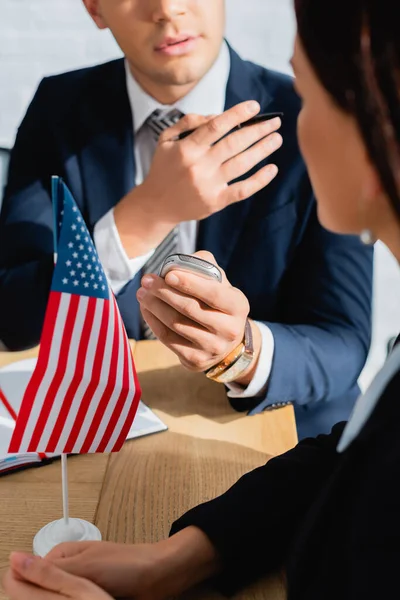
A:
187	123
212	131
190	357
244	162
188	327
192	318
215	295
244	189
165	335
208	256
239	141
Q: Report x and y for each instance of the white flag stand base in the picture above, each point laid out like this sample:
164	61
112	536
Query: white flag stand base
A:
56	532
66	529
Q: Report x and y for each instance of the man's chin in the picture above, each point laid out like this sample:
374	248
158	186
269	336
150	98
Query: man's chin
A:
182	72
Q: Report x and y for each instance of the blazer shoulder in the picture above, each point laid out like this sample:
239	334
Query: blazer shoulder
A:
57	93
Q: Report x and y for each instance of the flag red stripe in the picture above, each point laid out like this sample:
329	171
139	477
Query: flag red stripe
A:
8	406
13	415
94	380
39	372
133	408
107	393
58	375
77	378
121	399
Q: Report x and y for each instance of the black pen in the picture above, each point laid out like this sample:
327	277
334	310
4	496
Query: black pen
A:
253	121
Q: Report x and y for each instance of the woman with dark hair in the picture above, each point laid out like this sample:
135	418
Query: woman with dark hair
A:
328	510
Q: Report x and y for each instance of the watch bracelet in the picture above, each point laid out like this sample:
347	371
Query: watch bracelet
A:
230	374
232	358
226	362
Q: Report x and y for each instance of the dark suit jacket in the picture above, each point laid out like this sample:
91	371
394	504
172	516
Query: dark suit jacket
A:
312	288
332	519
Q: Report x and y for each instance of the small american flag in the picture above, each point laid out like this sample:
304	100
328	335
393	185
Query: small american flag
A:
84	392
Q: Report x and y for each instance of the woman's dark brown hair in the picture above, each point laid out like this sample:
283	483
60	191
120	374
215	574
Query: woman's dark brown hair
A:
354	48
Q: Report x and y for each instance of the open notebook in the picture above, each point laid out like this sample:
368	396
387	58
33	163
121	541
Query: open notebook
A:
13	381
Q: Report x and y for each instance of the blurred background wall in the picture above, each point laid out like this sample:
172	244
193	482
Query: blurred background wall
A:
42	37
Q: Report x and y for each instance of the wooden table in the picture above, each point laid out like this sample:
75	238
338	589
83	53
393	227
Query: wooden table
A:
134	496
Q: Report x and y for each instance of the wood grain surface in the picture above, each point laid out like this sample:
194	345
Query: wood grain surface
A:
135	495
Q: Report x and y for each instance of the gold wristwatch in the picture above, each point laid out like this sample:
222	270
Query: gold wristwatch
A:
237	361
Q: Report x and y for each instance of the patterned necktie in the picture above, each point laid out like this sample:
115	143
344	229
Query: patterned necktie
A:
157	123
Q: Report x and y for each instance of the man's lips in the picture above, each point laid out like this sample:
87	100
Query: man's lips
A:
177	45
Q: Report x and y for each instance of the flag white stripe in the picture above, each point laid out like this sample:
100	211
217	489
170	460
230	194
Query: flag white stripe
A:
105	370
128	401
49	374
115	394
90	356
69	371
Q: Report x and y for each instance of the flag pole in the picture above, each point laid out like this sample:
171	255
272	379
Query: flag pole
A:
68	528
64	474
56	189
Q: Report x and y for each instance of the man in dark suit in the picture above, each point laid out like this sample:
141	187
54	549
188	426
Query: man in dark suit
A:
309	291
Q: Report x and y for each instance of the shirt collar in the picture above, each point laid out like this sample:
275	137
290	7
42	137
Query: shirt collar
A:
207	98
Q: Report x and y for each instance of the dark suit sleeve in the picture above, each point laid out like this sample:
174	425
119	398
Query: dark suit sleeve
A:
253	524
26	239
323	327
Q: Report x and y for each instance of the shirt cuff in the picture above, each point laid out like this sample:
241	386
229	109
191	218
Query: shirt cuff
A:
259	382
117	265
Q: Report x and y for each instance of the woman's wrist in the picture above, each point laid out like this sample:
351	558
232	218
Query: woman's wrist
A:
185	559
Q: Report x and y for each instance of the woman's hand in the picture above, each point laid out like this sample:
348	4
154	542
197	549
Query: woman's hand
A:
34	578
124	570
141	571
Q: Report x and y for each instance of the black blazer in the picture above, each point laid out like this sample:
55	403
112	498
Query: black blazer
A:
312	288
332	519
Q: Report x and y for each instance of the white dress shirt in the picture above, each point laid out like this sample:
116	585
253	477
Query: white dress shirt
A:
207	98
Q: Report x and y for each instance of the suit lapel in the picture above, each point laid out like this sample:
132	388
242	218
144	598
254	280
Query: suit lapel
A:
220	233
107	159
